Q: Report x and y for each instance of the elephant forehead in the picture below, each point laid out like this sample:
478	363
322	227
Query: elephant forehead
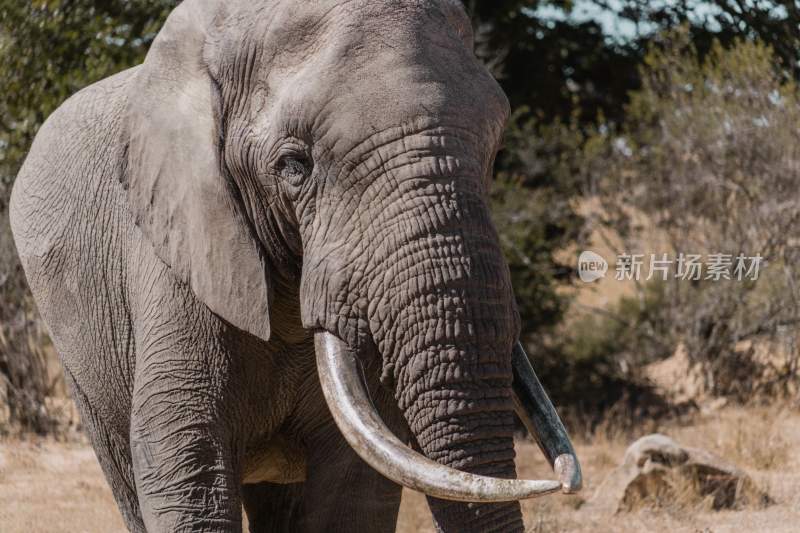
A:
345	54
292	28
303	16
349	92
348	36
354	71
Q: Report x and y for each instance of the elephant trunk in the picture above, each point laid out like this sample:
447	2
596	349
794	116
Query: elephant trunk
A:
434	299
442	315
451	340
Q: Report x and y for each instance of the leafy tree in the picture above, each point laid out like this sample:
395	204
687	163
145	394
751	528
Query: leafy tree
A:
553	65
774	23
50	49
554	62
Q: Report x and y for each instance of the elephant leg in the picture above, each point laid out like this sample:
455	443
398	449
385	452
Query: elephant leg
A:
344	494
183	461
272	508
185	440
341	492
113	454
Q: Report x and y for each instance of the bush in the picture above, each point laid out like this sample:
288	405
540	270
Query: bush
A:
708	154
544	176
24	382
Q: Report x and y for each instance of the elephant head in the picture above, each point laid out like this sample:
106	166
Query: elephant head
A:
338	154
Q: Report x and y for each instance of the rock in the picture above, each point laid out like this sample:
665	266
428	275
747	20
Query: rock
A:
658	472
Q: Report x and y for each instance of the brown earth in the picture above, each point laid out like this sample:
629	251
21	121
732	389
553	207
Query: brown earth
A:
52	487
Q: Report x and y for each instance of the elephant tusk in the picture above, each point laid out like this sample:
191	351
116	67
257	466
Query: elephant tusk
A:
537	413
366	433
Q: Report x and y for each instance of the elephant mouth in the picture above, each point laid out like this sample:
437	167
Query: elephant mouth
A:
372	440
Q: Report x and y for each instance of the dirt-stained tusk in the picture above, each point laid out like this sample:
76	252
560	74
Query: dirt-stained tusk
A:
364	430
540	418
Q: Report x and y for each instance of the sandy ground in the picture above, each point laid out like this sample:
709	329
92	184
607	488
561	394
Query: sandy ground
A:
52	487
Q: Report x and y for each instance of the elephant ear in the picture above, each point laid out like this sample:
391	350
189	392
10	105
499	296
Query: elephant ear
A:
176	183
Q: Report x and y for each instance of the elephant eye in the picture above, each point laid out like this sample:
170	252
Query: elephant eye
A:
291	166
294	167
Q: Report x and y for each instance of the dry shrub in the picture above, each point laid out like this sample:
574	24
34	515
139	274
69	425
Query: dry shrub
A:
708	154
687	490
24	378
668	491
640	410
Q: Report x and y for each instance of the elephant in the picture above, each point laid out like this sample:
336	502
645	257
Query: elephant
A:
266	259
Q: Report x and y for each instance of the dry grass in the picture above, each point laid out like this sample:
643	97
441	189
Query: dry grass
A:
56	487
757	441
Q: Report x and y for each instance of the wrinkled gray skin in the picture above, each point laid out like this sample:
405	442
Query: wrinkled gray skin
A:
275	168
